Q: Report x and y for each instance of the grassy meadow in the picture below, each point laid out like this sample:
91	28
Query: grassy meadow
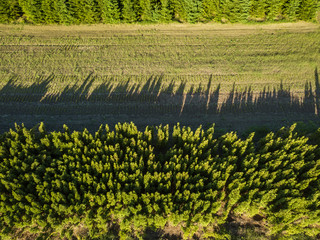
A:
195	74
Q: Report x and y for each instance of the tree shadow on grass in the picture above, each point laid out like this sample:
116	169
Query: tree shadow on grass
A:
276	100
158	97
15	91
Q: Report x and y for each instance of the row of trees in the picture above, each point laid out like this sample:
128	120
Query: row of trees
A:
50	183
114	11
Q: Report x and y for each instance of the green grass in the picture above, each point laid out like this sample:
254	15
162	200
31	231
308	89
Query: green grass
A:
125	72
255	55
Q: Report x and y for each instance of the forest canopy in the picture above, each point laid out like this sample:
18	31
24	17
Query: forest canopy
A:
52	182
128	11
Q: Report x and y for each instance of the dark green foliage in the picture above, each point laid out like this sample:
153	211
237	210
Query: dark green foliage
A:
50	11
187	10
258	10
276	9
113	11
194	9
84	11
165	13
61	8
308	9
127	12
292	10
53	182
32	10
75	11
145	10
318	13
91	9
236	10
110	12
210	9
179	10
10	10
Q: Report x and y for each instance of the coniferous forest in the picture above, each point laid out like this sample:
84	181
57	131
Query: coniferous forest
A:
128	11
52	183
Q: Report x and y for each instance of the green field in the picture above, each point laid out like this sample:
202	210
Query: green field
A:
235	75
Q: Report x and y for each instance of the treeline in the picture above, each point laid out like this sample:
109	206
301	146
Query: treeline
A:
129	11
52	183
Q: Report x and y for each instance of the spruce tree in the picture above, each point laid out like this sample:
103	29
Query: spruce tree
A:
49	11
230	10
83	11
165	13
128	14
259	9
145	10
275	9
75	11
210	9
238	10
63	15
32	10
292	9
179	10
110	12
4	10
193	9
89	14
245	10
156	12
318	12
308	9
10	10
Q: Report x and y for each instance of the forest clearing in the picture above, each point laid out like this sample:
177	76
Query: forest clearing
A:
235	75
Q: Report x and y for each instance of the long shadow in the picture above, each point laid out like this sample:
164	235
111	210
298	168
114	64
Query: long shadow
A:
156	98
72	93
317	91
15	91
276	100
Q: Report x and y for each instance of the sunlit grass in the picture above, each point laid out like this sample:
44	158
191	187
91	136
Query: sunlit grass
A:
255	55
